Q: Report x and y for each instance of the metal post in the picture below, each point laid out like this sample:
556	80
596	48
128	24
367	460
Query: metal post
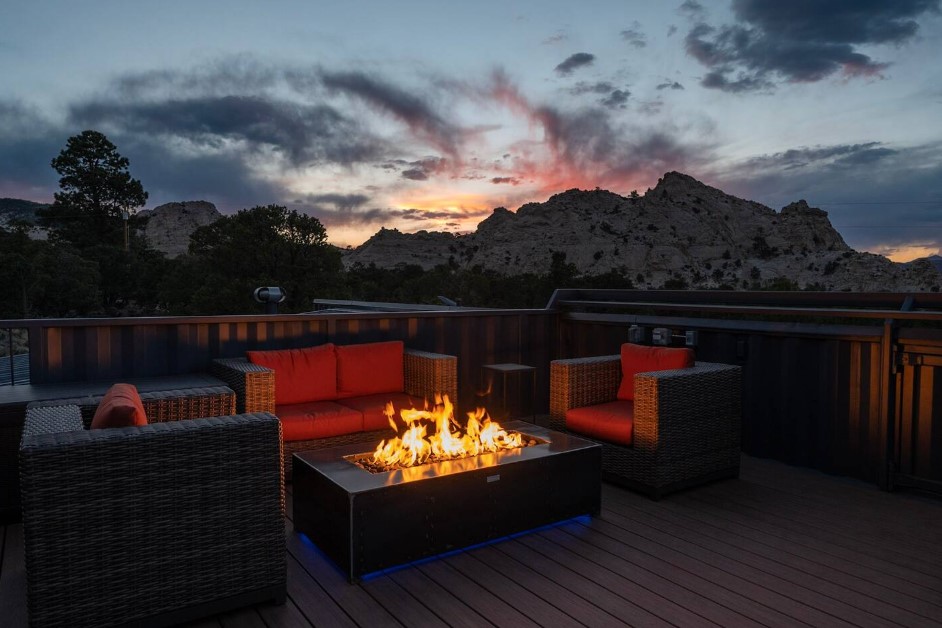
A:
10	354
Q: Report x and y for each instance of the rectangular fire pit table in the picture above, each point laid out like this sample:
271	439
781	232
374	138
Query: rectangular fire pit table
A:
366	522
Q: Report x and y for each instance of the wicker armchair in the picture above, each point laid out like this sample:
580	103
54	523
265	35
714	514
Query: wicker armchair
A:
686	421
151	525
425	375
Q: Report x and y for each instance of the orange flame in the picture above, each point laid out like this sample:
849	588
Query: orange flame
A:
415	447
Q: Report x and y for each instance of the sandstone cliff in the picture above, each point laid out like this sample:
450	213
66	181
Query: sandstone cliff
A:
169	226
682	231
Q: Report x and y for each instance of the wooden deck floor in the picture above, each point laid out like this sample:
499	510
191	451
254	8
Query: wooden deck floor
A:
778	547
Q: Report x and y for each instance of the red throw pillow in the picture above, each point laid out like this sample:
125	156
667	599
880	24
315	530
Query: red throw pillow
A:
301	375
120	407
641	359
369	369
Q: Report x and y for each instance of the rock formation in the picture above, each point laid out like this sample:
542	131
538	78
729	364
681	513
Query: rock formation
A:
681	233
169	226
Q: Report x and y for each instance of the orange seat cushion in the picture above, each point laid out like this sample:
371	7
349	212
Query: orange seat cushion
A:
369	369
120	407
317	419
373	408
641	359
301	375
612	422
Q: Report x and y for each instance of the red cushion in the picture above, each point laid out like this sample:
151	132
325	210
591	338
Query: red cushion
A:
373	408
370	368
120	407
612	422
301	375
640	359
317	419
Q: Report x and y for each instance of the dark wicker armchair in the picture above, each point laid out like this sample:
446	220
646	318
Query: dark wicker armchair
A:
425	375
151	525
686	421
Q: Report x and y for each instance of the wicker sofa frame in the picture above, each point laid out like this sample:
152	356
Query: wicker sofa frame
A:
161	406
425	374
151	525
686	421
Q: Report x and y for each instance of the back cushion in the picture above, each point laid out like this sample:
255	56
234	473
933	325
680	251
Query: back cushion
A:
641	359
120	407
369	369
301	375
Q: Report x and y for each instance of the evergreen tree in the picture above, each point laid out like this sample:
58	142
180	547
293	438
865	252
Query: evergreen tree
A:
262	246
96	190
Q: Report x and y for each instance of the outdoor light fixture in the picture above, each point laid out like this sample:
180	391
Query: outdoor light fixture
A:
271	296
661	336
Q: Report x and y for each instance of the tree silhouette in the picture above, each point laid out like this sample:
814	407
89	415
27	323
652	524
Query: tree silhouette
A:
262	246
96	188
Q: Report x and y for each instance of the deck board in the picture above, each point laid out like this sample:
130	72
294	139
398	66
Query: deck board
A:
781	546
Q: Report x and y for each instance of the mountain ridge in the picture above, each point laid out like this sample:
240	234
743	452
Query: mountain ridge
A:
681	233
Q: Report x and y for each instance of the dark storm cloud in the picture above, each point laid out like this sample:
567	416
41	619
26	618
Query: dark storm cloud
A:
820	156
874	195
240	73
574	62
617	99
27	145
305	134
802	41
401	104
669	85
169	175
634	36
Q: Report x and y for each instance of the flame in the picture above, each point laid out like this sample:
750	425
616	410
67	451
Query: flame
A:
415	446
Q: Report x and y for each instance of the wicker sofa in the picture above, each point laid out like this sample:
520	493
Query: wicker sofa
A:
424	375
686	422
152	525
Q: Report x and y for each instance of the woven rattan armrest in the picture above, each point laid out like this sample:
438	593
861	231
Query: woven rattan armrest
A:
579	382
684	410
427	374
161	406
254	385
52	419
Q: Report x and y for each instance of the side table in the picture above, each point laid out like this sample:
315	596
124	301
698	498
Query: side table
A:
490	372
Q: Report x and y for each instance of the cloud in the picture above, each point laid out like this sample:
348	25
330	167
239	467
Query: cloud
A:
634	37
582	87
345	202
692	9
508	180
556	38
669	85
671	30
416	174
774	42
879	197
588	147
405	106
617	99
574	62
304	134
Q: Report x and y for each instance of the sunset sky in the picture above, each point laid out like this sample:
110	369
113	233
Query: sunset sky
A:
427	115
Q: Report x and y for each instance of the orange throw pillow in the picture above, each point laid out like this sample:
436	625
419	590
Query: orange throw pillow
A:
369	369
120	407
641	359
301	375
